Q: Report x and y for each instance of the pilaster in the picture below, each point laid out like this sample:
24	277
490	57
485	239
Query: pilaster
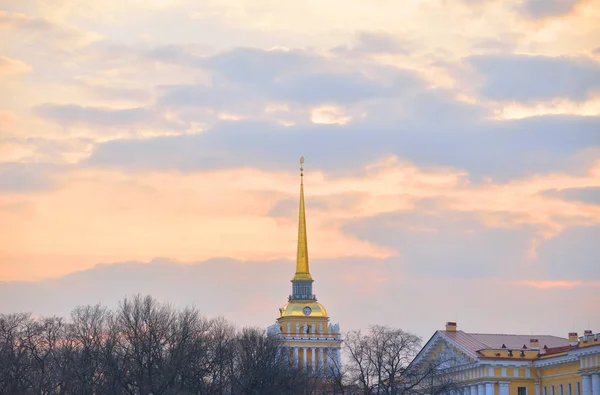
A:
595	383
586	384
489	388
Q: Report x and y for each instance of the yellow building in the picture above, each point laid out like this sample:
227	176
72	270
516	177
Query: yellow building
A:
498	364
303	325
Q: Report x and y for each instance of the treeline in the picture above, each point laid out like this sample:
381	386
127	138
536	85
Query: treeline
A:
145	347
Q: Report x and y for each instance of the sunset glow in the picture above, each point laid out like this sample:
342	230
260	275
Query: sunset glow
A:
452	148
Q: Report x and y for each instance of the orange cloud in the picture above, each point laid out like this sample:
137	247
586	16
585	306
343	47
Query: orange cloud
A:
139	216
546	284
43	28
196	216
12	66
7	120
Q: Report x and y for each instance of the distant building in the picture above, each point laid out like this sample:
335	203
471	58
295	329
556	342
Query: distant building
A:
309	340
497	364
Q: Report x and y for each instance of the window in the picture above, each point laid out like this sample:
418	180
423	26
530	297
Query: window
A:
578	388
545	391
552	390
569	389
521	390
560	390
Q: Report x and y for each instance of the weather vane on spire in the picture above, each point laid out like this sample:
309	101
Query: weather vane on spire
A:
301	168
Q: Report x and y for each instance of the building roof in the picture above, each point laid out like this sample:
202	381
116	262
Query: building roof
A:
474	342
295	308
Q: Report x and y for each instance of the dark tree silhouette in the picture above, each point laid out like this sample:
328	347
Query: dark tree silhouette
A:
145	347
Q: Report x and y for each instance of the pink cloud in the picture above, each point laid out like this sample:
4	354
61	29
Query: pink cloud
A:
12	66
196	216
548	284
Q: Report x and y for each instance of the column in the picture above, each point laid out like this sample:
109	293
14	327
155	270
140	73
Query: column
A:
596	383
586	384
473	390
503	390
339	362
304	357
295	356
489	388
321	365
481	389
313	352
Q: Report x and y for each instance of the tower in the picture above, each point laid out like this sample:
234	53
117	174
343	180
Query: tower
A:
308	339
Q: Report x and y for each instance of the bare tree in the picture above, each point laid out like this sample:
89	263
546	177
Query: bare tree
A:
378	362
432	377
360	367
259	369
155	340
15	366
87	335
145	347
208	366
335	381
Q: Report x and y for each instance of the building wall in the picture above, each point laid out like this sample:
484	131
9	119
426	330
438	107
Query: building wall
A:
513	387
560	375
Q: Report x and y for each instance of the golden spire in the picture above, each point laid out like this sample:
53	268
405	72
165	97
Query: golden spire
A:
302	272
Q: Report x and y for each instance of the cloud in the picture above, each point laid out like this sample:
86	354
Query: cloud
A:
7	121
446	244
112	92
570	255
503	45
13	151
529	78
207	125
289	76
549	284
372	42
548	8
288	208
265	287
252	66
590	195
74	114
25	177
259	288
42	28
537	144
207	214
137	121
12	66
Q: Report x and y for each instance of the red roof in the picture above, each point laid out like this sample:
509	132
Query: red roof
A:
556	350
474	342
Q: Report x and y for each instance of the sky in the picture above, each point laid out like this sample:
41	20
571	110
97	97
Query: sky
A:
452	158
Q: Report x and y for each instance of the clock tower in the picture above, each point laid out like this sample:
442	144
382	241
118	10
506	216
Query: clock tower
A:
308	339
